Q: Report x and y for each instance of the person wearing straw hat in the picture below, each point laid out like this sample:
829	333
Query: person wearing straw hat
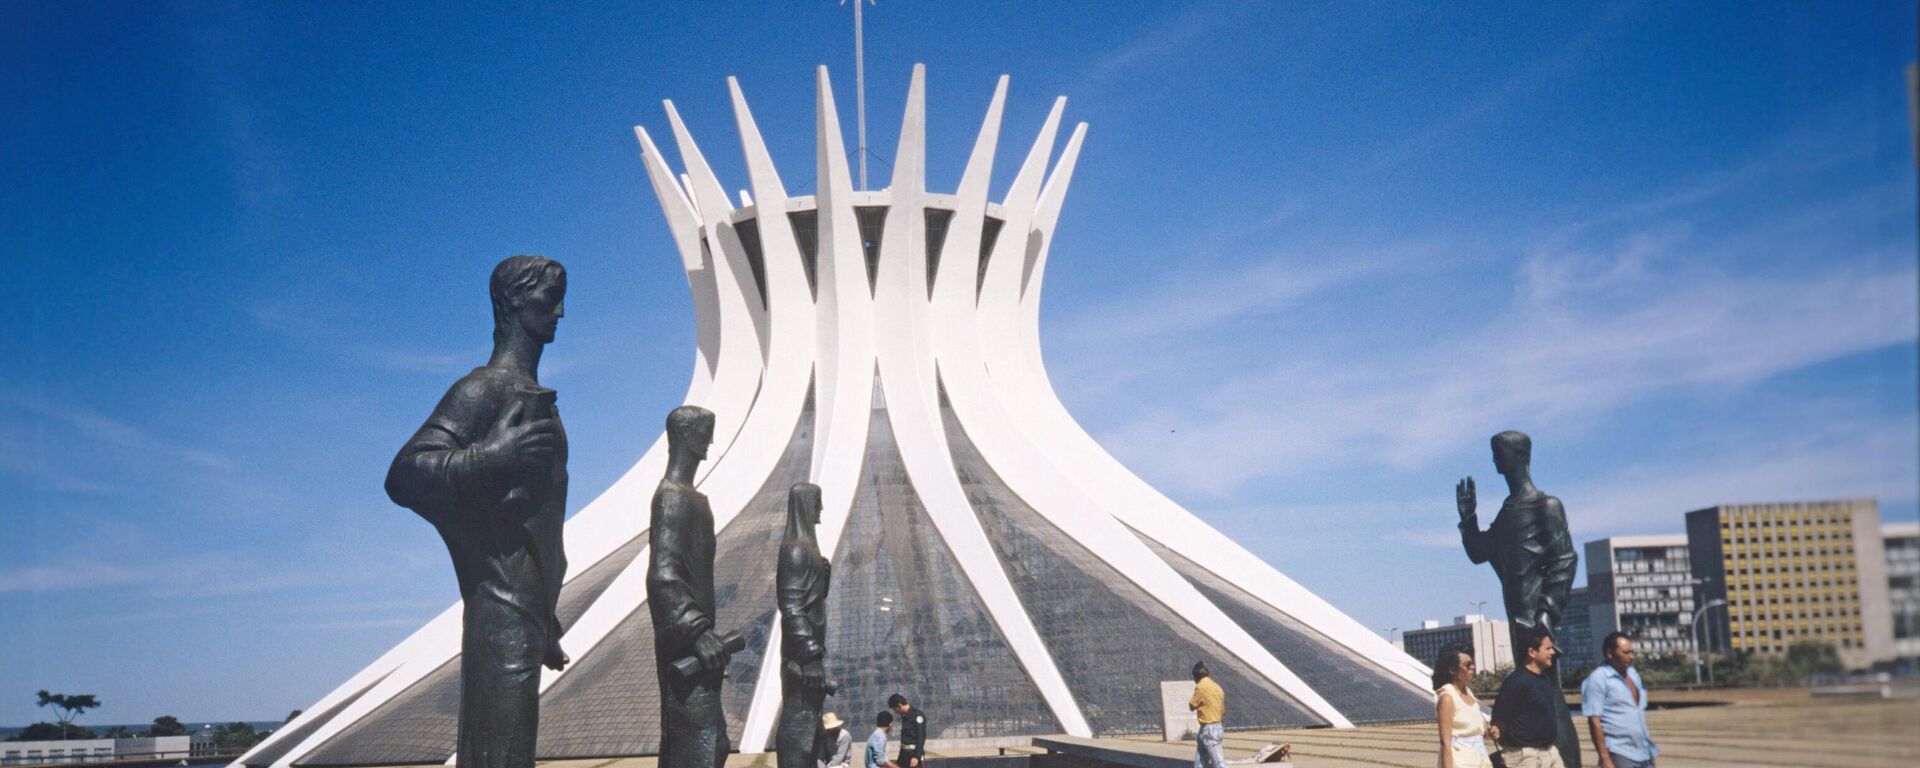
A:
836	745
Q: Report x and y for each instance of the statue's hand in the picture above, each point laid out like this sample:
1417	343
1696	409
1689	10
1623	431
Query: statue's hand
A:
556	659
813	674
1464	498
713	653
520	446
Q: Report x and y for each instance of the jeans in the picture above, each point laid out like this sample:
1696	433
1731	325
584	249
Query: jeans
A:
1207	747
1628	762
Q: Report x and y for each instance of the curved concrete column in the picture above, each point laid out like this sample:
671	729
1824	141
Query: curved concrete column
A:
962	333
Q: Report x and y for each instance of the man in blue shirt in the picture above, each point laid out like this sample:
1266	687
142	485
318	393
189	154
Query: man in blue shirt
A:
1615	704
877	743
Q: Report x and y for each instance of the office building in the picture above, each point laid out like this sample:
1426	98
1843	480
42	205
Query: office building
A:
1902	542
1487	637
1793	572
1575	635
1642	586
95	750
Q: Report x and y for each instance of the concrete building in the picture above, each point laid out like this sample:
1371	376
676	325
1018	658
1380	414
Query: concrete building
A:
1902	542
1575	635
988	554
1487	637
1793	572
94	750
1642	586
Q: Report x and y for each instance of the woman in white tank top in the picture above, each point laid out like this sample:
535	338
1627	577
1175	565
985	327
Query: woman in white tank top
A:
1463	728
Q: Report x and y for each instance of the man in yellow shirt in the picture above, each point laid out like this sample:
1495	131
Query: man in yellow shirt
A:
1209	704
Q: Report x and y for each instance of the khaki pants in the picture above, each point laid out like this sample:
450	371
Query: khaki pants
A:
1529	757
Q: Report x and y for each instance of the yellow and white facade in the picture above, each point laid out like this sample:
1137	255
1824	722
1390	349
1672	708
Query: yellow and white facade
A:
1793	572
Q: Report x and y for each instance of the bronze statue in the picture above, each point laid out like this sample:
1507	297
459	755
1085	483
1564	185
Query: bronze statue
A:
1532	553
802	579
691	659
489	470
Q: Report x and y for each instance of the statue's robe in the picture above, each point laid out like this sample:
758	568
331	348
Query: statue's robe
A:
1532	553
693	727
802	578
507	554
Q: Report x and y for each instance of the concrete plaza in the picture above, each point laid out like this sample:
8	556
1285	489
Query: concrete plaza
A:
1695	729
1760	727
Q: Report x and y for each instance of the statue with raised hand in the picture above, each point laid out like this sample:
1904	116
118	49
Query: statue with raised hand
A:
691	659
801	580
1532	553
489	470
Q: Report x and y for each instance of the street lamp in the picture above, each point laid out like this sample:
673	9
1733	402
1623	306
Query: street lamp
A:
1714	603
1478	607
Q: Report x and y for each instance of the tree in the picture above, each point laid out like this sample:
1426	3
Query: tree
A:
51	732
116	732
1573	676
1811	657
1737	667
1487	682
291	716
235	737
166	725
1666	670
70	706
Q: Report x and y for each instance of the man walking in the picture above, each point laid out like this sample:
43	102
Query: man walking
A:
913	732
1615	704
1524	709
1209	704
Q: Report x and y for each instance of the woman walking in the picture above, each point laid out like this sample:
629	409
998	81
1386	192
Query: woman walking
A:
1463	729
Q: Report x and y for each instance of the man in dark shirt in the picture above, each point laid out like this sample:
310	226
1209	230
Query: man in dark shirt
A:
1524	709
913	732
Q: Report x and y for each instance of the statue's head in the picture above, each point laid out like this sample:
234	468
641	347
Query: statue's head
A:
529	292
690	429
1512	451
803	504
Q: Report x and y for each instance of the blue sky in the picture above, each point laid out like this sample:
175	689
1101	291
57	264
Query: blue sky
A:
1314	255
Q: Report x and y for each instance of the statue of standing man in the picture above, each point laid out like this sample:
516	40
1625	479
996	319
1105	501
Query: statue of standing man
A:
1532	553
690	658
802	577
489	470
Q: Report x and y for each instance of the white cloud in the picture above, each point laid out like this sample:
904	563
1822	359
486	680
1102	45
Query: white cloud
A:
69	576
1179	33
1861	458
94	425
1648	301
104	553
1554	360
318	326
51	477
